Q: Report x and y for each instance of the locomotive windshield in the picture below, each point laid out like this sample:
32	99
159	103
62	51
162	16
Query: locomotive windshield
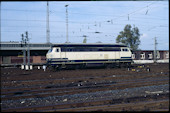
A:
50	50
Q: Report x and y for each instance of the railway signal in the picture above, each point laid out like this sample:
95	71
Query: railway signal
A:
25	44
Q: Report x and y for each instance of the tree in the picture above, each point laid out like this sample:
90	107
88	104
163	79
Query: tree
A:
130	37
85	39
98	42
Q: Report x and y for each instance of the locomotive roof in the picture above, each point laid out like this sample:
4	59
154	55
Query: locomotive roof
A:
88	45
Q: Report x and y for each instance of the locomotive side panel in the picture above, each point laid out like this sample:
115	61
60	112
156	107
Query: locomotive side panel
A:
90	55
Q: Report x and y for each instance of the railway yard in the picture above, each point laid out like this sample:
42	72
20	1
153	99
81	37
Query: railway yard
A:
89	89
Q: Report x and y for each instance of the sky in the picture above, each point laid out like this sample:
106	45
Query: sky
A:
100	21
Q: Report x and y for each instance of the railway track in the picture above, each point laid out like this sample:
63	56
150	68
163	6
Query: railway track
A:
121	104
49	80
82	90
73	89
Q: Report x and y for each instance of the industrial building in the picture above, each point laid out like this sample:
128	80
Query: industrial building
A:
11	53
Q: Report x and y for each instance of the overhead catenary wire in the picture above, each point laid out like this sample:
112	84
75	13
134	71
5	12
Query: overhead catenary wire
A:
38	20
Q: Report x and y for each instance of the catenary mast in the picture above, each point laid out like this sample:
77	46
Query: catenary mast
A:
47	25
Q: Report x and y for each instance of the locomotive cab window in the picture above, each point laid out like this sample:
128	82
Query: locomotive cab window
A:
57	50
125	50
50	50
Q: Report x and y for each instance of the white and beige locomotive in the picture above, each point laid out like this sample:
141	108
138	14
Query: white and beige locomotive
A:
80	55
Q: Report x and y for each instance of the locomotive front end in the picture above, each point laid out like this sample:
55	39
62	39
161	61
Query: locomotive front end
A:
49	56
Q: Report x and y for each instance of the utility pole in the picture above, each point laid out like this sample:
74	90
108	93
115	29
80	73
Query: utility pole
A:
66	24
155	53
47	25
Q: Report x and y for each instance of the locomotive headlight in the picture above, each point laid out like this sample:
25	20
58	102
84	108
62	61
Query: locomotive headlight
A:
49	56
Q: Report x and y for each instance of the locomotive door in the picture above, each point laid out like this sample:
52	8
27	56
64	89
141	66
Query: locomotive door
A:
57	52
